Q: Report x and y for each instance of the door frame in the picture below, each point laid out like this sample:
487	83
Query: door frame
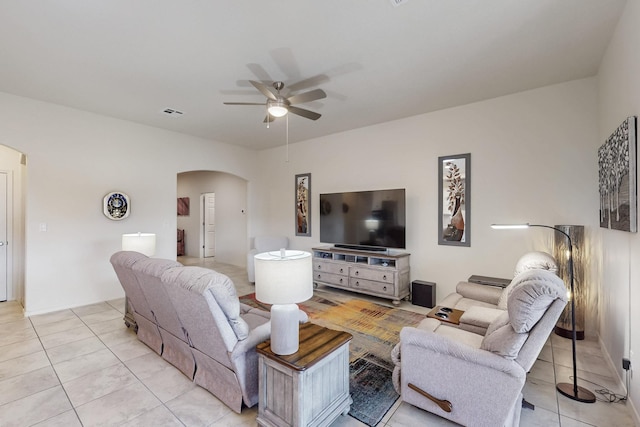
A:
203	231
11	289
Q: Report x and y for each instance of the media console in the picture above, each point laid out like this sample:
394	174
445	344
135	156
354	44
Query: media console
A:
384	275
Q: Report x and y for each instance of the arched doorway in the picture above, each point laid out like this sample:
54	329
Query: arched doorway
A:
230	218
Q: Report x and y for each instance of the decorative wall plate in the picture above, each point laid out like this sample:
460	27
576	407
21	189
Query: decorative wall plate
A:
116	205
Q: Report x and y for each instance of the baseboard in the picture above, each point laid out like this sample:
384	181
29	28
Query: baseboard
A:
621	382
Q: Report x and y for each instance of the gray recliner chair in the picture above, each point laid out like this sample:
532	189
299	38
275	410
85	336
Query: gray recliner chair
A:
482	304
477	380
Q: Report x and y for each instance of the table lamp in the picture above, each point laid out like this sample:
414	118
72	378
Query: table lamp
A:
284	278
145	243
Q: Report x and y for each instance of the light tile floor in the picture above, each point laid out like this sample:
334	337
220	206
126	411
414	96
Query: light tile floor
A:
83	367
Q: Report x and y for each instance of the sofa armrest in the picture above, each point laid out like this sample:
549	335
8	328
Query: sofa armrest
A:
415	339
451	300
470	379
479	318
478	292
256	336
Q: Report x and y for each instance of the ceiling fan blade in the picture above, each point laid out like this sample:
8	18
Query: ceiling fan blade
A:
312	95
264	90
243	103
304	113
310	82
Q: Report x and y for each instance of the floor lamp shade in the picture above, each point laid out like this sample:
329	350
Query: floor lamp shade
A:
145	243
560	253
284	278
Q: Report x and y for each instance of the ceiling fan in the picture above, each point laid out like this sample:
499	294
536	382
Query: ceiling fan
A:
278	105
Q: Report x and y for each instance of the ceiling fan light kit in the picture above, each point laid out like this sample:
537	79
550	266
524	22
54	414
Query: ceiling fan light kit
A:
279	106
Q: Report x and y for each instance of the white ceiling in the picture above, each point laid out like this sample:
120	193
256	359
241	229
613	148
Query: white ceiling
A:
376	62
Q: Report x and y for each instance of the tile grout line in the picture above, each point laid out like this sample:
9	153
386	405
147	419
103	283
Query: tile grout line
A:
139	380
56	373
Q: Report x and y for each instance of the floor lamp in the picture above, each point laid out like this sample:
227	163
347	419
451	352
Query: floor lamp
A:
572	391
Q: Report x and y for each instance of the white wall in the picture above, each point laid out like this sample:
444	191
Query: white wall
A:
619	98
532	160
230	214
74	159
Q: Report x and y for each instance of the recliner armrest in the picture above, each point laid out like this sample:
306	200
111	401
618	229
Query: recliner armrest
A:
478	292
479	318
256	336
418	339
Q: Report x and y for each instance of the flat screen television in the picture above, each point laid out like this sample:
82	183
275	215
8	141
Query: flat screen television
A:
364	219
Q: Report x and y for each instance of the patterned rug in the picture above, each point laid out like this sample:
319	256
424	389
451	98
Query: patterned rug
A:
376	330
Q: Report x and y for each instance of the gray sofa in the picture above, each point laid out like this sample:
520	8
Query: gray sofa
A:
193	318
477	380
482	304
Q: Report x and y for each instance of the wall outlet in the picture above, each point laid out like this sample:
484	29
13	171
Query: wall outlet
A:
626	364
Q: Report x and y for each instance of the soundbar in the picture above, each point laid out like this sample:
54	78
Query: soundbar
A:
361	248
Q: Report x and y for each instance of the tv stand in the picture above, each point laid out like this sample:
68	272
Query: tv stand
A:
374	273
361	248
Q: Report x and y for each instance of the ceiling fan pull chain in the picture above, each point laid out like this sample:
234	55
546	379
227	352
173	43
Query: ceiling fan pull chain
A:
287	138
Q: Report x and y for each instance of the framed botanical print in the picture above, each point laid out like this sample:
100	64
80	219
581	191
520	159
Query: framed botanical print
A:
454	200
303	204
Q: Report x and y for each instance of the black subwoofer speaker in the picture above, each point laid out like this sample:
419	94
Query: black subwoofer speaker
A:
423	293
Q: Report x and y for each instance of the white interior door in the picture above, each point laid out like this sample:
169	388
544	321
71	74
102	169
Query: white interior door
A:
209	225
3	236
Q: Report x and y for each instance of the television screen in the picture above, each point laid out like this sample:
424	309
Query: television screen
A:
364	218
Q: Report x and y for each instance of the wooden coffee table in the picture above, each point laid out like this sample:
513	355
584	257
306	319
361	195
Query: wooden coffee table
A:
446	314
309	387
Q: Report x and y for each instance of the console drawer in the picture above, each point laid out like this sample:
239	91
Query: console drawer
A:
373	274
370	285
330	267
336	279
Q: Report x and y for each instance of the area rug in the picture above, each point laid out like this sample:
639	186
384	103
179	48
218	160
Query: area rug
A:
376	330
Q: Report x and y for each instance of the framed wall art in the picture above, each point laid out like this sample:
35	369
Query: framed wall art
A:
617	179
116	205
303	204
454	200
183	206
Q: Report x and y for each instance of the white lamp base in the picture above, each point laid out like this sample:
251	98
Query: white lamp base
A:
284	328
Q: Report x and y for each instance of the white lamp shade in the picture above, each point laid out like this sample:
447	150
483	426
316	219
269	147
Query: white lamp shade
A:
283	277
277	108
145	243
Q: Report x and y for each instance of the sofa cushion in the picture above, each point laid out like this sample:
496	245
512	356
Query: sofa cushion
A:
533	291
481	317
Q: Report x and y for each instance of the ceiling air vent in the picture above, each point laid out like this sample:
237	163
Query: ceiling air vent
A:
171	112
